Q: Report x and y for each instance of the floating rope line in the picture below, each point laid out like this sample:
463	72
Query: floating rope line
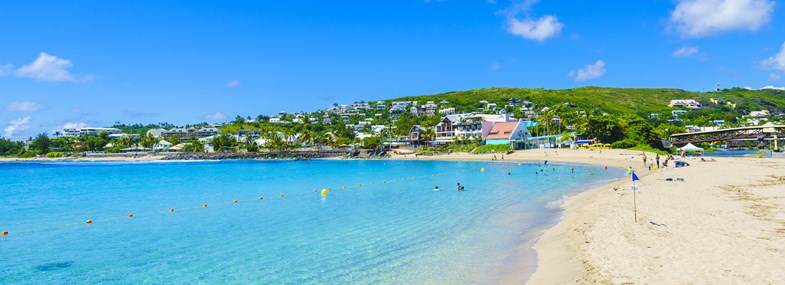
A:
171	211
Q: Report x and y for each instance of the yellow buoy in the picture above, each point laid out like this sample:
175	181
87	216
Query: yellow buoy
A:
89	222
324	192
5	233
204	205
235	201
130	215
482	169
171	210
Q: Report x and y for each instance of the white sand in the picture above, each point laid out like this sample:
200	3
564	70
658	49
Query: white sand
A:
724	224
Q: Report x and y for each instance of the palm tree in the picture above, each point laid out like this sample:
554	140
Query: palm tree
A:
428	134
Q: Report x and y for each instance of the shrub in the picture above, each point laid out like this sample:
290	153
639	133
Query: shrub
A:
648	148
427	151
55	154
489	148
26	154
625	143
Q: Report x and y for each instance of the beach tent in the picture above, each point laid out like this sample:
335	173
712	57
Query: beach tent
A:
690	147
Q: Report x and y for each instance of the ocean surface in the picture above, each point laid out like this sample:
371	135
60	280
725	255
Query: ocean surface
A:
393	229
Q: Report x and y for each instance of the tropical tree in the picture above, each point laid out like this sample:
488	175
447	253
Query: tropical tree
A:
41	143
148	141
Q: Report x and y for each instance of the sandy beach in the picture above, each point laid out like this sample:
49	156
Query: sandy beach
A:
719	222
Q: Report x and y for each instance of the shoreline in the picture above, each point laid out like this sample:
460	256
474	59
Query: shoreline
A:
723	223
553	264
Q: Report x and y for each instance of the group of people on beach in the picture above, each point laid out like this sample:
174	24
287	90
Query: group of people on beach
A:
656	161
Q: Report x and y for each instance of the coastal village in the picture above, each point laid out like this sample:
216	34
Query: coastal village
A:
417	127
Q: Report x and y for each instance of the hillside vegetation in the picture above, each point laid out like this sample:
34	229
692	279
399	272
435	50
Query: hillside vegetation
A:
639	101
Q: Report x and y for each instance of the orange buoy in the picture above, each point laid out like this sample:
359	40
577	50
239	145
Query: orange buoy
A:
281	195
204	205
89	222
235	201
5	233
130	215
171	210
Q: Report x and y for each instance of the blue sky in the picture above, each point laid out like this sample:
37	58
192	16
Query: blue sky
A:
96	62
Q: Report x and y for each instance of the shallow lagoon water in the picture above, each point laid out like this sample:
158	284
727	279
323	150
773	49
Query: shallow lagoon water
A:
398	232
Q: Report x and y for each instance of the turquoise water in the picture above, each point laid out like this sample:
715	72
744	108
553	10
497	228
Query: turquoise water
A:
398	232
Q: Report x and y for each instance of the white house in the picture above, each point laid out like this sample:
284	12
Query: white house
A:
162	145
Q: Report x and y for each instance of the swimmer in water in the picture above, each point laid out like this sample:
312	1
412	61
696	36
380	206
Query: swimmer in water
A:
436	189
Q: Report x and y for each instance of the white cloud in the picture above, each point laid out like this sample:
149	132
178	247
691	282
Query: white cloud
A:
74	125
774	77
529	28
686	51
233	83
214	116
776	61
591	71
16	126
23	106
46	67
539	30
699	18
772	87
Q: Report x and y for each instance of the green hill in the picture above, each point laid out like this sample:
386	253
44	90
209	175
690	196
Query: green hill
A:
638	101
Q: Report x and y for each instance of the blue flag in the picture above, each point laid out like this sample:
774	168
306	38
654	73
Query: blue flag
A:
634	177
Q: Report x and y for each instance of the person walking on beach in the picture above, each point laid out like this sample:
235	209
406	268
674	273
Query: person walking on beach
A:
629	171
657	158
644	160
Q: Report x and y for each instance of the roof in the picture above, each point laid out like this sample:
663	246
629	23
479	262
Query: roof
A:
502	130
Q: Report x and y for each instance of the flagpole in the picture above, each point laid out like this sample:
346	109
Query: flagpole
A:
634	202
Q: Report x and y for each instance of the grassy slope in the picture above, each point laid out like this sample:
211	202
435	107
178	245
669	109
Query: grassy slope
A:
612	100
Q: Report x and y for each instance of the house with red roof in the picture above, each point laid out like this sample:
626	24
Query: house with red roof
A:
508	133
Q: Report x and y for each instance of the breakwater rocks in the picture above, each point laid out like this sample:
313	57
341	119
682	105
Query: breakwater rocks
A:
297	155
